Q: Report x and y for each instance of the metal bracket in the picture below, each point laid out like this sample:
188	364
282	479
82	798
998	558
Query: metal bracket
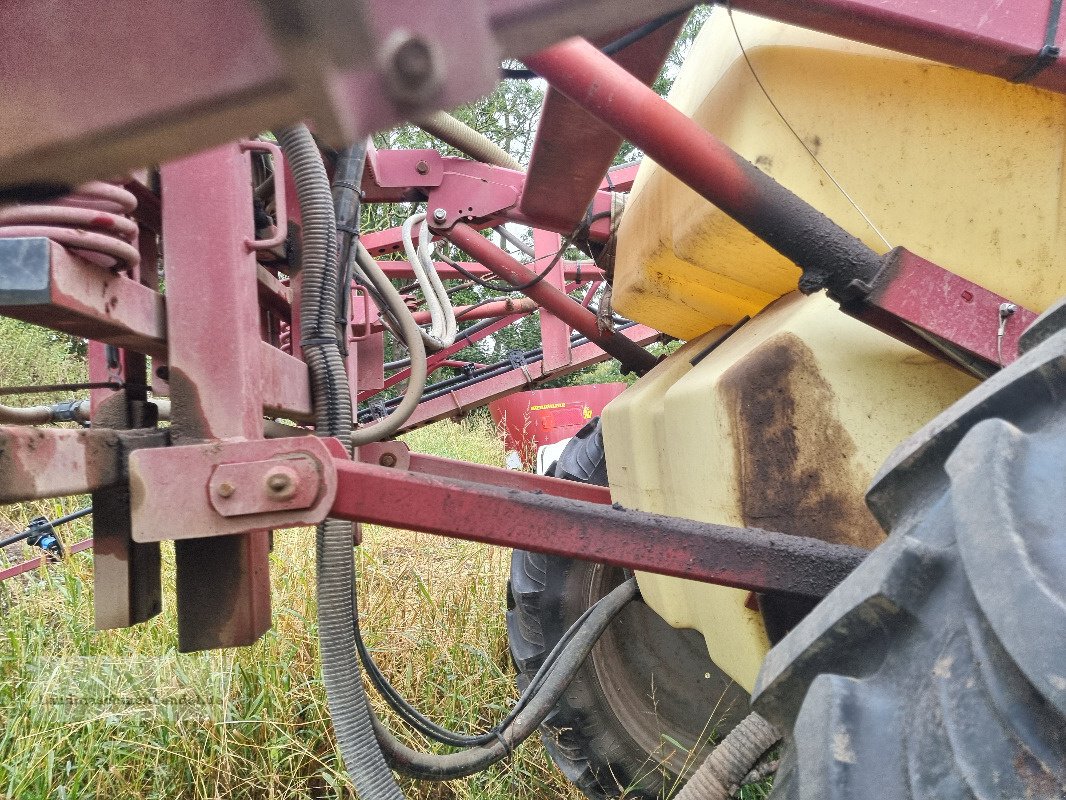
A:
231	486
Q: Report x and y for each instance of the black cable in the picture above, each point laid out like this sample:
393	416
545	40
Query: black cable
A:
431	766
26	534
347	177
621	43
430	729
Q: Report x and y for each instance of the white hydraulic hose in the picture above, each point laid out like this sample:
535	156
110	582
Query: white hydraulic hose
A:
442	315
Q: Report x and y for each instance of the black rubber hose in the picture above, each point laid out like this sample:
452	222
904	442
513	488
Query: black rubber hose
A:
347	179
432	767
345	695
432	730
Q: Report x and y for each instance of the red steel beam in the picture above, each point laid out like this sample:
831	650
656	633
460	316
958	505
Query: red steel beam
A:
461	401
573	149
215	376
791	226
632	356
1002	39
745	558
401	270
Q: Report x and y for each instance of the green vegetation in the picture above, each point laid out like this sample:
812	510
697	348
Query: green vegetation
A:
252	723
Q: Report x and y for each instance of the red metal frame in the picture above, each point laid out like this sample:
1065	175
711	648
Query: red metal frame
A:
223	334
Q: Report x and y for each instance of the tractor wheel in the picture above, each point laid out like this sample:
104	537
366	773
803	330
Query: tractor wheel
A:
938	668
644	708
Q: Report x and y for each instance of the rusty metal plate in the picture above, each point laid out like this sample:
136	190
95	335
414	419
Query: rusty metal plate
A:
171	488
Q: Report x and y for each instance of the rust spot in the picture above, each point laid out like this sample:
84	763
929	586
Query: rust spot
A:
795	459
1036	777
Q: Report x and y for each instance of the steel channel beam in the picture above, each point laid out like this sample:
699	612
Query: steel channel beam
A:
43	283
994	38
632	356
745	558
573	150
223	583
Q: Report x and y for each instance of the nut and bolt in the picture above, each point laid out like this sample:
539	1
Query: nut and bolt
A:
280	484
387	460
411	68
226	489
439	215
421	167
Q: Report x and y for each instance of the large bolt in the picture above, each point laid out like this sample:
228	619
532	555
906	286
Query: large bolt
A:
421	167
387	460
280	483
439	215
411	68
226	489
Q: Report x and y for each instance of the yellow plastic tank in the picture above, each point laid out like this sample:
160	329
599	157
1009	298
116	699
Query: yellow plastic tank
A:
962	169
781	427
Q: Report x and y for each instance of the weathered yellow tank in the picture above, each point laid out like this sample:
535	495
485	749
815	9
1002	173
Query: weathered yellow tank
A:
960	168
783	425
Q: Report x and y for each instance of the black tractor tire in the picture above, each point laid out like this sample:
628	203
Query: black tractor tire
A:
938	668
644	708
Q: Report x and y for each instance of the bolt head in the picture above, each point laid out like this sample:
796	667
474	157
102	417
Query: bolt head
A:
387	460
439	215
226	489
421	167
411	67
280	484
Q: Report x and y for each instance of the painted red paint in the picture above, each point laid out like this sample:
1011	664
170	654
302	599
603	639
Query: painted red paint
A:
530	420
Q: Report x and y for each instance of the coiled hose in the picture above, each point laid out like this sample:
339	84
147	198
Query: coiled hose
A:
345	695
466	140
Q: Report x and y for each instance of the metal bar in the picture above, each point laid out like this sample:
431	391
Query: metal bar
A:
632	356
401	270
573	150
949	307
498	308
554	332
508	478
34	563
56	462
745	558
461	401
434	360
1001	39
44	283
794	228
286	387
223	584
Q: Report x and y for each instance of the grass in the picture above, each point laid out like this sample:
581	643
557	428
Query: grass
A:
120	713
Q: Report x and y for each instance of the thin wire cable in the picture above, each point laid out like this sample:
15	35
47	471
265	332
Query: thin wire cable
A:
567	242
811	153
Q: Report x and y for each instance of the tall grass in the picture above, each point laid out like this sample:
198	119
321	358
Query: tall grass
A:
256	724
122	714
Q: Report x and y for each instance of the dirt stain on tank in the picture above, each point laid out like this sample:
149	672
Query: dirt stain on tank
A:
795	459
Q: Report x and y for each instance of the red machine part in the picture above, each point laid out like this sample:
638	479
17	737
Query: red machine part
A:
92	222
530	420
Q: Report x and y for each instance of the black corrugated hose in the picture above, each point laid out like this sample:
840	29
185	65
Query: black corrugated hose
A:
341	675
367	747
